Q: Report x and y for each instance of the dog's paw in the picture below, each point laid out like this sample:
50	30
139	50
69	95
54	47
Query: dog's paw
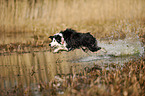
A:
55	51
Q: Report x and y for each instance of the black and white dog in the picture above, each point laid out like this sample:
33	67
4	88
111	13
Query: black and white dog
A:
69	39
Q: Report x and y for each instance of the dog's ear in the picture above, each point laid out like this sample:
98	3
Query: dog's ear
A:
51	37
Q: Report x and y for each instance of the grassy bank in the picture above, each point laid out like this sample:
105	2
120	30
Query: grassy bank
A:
50	16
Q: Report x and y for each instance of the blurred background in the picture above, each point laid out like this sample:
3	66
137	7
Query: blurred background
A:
46	17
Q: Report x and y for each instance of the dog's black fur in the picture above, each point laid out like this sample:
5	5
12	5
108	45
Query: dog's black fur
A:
79	40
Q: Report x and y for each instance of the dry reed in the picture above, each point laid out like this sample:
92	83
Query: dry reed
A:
49	16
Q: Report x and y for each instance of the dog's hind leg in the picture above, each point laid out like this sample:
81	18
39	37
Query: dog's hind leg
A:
104	50
94	49
98	51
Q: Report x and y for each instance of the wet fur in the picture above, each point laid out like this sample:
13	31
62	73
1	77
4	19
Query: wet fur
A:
74	40
79	40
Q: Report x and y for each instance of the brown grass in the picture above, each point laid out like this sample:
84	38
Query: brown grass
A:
128	80
50	16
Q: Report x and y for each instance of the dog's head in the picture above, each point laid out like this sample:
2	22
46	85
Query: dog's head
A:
57	40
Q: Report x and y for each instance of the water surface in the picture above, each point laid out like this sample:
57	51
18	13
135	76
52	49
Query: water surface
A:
32	68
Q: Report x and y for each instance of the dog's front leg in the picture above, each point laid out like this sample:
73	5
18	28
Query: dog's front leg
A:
56	50
60	48
85	49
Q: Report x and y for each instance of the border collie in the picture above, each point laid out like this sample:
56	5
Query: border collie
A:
70	39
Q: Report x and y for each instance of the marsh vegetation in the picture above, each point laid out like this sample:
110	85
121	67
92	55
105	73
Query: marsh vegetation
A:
28	67
50	16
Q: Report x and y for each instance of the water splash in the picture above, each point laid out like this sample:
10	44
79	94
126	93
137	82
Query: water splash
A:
131	45
123	49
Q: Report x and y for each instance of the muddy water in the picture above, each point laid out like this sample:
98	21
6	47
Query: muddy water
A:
33	68
30	69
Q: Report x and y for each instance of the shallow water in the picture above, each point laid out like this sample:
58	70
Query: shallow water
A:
29	69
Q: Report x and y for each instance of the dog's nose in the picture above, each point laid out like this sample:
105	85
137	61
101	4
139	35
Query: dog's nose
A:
49	44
